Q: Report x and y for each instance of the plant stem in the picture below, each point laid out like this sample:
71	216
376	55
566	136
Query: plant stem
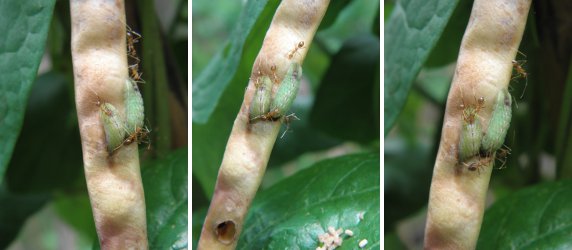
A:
250	143
457	196
100	71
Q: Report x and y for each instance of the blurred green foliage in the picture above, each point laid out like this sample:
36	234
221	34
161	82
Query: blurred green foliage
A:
211	29
21	54
540	152
537	217
43	196
347	41
279	219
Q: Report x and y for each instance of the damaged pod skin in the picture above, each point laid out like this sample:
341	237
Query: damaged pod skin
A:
498	124
113	125
260	104
471	136
286	92
133	107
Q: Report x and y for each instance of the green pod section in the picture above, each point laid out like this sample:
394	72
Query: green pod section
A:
260	104
134	111
470	142
113	126
287	91
498	124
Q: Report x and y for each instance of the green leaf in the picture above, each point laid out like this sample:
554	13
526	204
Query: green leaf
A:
197	223
332	13
166	198
14	210
376	102
50	117
355	19
212	29
219	73
210	138
75	209
407	178
388	9
392	241
24	36
331	193
564	138
180	51
344	102
156	90
434	83
409	126
209	141
375	27
315	65
533	218
410	34
447	48
96	245
199	198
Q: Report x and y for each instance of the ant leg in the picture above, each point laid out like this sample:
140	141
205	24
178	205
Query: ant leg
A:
525	85
288	119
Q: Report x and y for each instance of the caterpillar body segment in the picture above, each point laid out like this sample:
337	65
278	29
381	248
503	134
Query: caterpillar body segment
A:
134	110
286	92
498	124
113	126
260	104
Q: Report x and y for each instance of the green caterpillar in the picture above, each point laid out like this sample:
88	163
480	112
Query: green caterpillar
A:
113	125
286	92
498	124
471	134
133	107
119	131
260	104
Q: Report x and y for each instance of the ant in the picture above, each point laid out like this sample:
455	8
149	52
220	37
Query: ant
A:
471	112
471	133
476	165
288	119
133	38
502	155
256	78
139	135
520	72
98	102
273	69
298	46
272	115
